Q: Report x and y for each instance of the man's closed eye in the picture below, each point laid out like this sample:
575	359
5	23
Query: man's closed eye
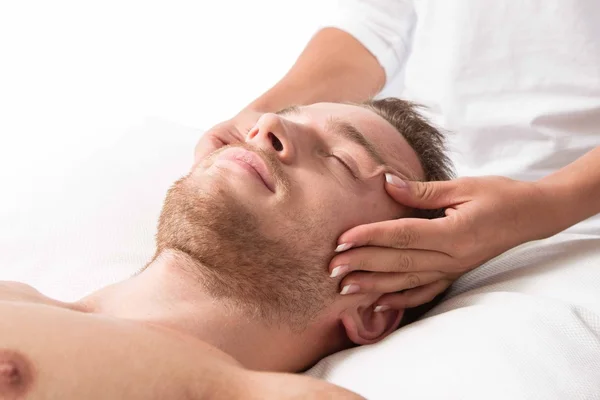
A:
345	164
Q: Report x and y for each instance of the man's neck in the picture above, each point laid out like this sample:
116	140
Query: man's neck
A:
170	295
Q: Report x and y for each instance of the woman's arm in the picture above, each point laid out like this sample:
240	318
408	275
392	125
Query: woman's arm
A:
333	67
571	194
363	43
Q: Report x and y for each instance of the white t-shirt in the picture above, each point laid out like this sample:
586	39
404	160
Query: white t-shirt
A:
517	85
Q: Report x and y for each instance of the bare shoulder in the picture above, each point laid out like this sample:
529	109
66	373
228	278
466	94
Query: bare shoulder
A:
21	292
14	291
270	385
52	352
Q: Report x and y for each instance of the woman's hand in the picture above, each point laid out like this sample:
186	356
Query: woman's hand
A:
484	217
228	132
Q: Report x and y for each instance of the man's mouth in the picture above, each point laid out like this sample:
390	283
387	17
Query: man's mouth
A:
251	161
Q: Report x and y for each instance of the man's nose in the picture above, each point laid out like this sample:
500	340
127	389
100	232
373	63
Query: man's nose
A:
271	133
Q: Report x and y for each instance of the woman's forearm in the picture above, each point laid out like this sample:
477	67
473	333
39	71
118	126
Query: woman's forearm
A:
334	67
571	194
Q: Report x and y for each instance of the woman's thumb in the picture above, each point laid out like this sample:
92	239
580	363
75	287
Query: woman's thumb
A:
423	195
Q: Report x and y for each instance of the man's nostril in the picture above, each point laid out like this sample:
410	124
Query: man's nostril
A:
277	145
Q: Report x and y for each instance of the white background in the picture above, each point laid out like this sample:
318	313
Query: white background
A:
70	63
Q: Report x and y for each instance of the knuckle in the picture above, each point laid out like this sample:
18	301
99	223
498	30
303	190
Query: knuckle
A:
422	191
413	281
404	263
403	238
425	191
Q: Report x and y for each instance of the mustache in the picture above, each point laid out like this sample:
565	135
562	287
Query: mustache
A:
273	164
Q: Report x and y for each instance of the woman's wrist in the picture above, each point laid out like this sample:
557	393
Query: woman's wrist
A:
571	194
554	207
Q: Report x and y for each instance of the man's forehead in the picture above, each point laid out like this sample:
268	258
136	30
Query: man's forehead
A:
391	145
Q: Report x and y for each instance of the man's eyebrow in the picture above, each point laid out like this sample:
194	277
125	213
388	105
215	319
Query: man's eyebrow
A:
289	110
351	133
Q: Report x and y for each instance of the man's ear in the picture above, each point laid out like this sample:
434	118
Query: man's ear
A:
365	326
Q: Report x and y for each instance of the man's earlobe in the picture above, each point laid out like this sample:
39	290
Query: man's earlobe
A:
365	326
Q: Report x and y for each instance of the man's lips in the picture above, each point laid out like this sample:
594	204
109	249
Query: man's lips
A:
250	159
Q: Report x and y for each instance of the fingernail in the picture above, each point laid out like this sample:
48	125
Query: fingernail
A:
381	308
337	271
394	180
350	289
343	247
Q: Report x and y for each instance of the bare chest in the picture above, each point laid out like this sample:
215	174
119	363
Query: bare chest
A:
51	352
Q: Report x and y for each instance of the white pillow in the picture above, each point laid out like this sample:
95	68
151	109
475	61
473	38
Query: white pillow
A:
526	325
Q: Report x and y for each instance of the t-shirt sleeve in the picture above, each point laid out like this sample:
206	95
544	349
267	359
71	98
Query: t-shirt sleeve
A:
384	27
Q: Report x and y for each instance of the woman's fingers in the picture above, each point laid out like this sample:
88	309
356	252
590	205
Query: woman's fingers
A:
384	259
412	297
424	195
228	132
485	216
405	233
372	282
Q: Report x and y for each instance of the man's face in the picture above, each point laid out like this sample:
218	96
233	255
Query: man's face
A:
263	217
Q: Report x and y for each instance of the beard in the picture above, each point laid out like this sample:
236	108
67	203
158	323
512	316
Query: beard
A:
275	270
